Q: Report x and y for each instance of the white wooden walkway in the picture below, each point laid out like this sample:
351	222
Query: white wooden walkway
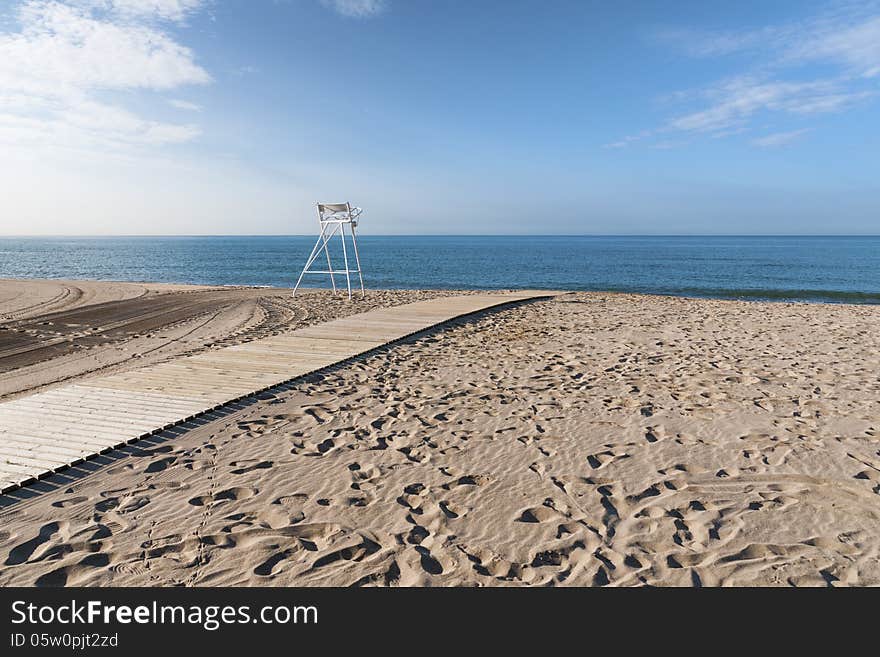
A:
50	431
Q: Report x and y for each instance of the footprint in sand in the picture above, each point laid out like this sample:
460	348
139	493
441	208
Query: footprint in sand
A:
262	465
25	551
430	564
74	574
365	478
469	480
599	460
228	495
453	511
268	567
545	513
160	464
70	501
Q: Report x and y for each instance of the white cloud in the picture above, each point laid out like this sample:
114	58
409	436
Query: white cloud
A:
62	45
845	42
779	138
699	43
67	55
629	139
169	10
848	36
857	46
733	103
87	125
242	71
185	105
356	8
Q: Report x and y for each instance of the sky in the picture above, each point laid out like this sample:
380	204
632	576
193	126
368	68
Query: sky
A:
144	117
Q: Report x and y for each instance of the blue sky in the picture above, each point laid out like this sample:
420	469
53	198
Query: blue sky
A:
235	116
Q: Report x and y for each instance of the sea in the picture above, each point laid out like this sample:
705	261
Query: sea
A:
842	269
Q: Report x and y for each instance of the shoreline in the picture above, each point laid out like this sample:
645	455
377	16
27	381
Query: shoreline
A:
809	296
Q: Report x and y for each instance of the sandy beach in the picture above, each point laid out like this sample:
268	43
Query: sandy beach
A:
54	332
594	439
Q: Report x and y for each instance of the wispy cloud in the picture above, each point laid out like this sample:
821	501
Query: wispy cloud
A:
732	103
242	71
169	10
629	139
845	43
779	138
66	56
356	8
185	105
856	46
848	36
701	43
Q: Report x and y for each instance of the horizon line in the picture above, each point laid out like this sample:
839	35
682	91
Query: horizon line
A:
191	235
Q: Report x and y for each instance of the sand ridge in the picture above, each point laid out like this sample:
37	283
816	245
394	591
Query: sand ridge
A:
599	439
27	298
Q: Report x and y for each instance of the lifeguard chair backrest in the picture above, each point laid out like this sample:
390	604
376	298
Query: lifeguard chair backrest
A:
325	209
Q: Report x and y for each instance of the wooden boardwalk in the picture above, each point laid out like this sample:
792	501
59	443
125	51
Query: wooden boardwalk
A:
50	431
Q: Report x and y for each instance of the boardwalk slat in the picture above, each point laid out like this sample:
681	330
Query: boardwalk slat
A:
95	397
75	443
83	434
38	419
98	386
14	457
41	447
52	407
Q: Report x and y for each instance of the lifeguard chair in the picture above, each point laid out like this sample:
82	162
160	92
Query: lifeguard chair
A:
333	218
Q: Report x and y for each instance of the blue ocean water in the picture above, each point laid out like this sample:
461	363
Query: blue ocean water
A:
830	269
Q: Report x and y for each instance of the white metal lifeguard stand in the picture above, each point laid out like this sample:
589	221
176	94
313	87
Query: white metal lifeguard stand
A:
333	218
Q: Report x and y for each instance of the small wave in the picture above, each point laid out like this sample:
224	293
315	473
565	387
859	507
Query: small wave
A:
816	296
245	285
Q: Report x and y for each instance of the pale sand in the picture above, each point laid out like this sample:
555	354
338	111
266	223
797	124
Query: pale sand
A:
595	439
